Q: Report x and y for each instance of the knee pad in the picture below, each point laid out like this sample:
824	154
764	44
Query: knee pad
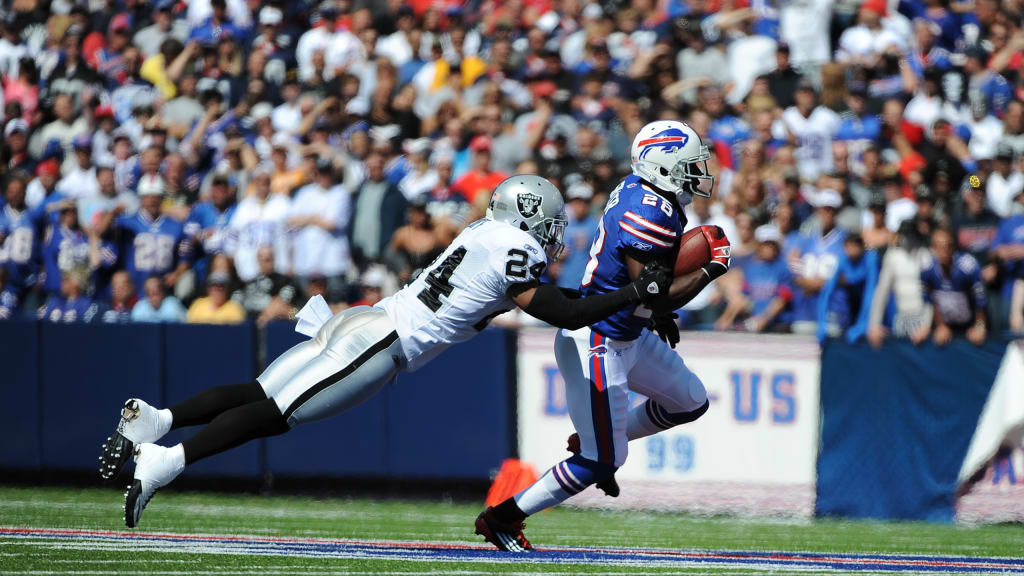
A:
589	471
665	419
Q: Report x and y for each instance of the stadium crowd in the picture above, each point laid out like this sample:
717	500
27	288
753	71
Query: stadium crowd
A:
214	160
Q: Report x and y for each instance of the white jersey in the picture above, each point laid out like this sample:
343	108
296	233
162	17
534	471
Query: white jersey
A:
814	136
463	289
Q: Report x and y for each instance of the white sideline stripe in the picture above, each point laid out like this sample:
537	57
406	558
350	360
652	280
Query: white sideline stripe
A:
304	571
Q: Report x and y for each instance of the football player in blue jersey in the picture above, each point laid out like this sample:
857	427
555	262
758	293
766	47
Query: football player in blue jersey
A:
601	363
151	243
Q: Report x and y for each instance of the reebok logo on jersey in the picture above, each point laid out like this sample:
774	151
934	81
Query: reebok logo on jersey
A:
528	203
641	246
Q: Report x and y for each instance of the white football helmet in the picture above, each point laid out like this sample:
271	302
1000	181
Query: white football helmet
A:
670	155
533	205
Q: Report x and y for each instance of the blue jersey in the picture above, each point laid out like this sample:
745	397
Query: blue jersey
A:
65	249
819	259
852	287
207	233
1011	231
637	221
9	304
578	236
21	248
150	246
764	281
958	294
58	309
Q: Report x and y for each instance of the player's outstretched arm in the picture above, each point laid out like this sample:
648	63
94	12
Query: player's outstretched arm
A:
549	303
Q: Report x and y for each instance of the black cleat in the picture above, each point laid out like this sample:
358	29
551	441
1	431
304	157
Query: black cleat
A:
507	537
609	486
117	450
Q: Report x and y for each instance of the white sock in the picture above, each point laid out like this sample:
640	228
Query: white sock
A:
639	424
164	421
541	495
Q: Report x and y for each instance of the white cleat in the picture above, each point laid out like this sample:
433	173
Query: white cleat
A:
155	467
139	423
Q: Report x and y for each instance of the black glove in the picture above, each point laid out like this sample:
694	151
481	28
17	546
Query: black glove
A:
652	283
664	325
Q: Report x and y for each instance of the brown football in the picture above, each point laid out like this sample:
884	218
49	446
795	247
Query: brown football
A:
694	252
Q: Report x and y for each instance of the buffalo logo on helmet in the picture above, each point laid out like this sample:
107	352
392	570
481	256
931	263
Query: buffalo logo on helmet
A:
667	141
528	203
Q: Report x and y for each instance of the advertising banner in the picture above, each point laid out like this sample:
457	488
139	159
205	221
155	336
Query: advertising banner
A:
753	452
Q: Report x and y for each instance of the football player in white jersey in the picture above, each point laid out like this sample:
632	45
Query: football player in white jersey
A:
491	267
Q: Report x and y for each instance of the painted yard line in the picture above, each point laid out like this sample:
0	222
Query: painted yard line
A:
923	561
454	552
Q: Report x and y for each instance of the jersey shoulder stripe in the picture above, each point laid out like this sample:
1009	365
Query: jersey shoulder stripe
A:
643	236
648	225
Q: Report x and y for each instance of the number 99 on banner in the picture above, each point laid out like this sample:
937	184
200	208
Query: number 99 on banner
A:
675	452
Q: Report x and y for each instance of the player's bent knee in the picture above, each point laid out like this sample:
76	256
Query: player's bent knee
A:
665	419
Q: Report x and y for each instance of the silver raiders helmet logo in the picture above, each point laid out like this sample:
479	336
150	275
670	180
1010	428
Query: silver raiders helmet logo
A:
528	203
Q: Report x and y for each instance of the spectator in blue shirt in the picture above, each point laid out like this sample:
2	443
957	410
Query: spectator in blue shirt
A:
67	247
20	240
845	301
157	306
578	235
207	226
815	260
952	283
767	287
217	26
9	305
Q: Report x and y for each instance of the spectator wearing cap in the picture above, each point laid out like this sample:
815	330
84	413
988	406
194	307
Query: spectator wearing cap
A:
844	305
318	223
870	38
857	127
812	127
1004	183
952	283
216	307
480	178
421	177
149	38
110	60
81	181
379	210
272	41
415	245
317	38
151	243
815	259
21	232
766	287
260	221
157	306
371	286
14	149
216	26
209	223
974	224
698	64
72	304
269	295
42	190
579	233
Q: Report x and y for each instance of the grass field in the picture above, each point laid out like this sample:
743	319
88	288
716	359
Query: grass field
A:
81	531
